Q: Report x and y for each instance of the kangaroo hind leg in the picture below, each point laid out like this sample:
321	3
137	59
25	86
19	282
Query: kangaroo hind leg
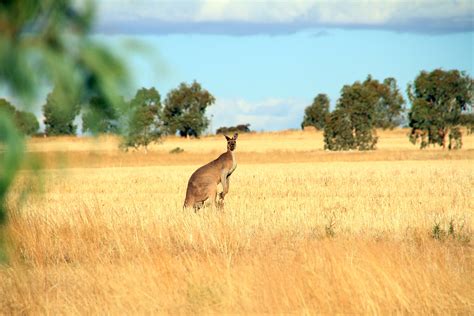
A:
212	193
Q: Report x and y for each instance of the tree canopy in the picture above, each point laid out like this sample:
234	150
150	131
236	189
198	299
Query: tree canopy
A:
351	125
438	99
26	122
6	106
144	119
362	107
389	104
241	128
338	131
99	116
185	108
59	113
467	120
315	114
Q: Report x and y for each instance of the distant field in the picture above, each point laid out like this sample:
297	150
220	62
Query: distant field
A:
303	230
277	147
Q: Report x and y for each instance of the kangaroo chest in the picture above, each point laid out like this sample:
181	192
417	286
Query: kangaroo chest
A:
234	163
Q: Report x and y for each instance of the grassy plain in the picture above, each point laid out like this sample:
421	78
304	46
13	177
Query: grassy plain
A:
303	230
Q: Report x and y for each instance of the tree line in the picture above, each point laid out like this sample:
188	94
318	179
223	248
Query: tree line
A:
25	122
141	120
441	103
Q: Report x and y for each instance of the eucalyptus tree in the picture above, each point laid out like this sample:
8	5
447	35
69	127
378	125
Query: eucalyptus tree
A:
438	100
361	108
185	110
25	122
316	113
144	125
101	117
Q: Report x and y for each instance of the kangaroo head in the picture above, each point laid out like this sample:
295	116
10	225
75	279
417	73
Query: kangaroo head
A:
231	142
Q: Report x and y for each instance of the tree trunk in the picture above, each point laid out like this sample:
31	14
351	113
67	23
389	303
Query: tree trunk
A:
442	135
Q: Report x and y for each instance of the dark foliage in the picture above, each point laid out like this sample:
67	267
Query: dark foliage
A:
361	108
26	122
388	102
438	99
241	128
467	120
185	108
100	116
144	124
315	114
59	113
338	131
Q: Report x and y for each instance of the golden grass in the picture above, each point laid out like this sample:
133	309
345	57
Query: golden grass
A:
256	148
299	141
319	236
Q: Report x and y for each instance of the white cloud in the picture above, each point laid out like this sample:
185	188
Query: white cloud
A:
253	11
223	16
267	114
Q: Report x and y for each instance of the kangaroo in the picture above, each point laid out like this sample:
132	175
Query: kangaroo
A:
203	182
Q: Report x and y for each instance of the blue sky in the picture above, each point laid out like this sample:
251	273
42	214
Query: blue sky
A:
265	61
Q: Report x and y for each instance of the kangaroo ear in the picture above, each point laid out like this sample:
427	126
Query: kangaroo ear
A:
235	136
227	137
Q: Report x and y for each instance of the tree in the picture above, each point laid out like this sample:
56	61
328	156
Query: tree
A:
185	109
338	131
389	102
144	125
467	120
59	114
241	128
351	125
7	107
361	108
438	99
100	116
26	122
359	101
315	114
12	144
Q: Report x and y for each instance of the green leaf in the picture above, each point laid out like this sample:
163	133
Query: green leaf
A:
11	154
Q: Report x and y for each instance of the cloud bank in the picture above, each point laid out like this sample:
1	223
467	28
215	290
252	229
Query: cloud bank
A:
270	114
274	17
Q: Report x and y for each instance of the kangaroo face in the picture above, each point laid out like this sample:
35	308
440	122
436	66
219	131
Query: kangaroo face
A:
231	142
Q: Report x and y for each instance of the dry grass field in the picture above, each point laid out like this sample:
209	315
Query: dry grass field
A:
303	230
